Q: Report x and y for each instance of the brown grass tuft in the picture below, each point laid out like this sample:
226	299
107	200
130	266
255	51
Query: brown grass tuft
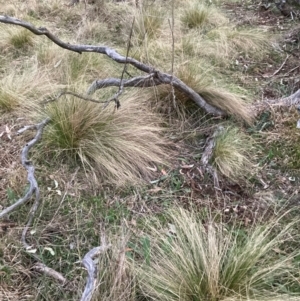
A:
118	146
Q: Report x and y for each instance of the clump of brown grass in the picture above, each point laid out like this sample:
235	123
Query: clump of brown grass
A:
147	25
115	277
15	40
22	89
202	79
234	154
199	15
117	146
191	260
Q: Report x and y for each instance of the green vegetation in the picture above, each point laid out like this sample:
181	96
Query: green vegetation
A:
207	261
234	154
106	141
227	231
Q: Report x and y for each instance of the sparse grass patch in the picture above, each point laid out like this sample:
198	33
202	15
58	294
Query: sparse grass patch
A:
86	67
230	41
195	261
118	146
234	154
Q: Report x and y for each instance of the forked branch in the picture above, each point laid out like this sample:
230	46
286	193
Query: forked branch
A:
158	76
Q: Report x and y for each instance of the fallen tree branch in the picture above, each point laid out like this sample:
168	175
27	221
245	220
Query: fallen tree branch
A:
208	154
292	100
137	82
42	268
33	188
161	77
92	270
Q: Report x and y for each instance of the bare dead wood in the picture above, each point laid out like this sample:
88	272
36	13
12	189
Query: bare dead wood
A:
33	188
208	154
42	268
292	100
161	77
89	264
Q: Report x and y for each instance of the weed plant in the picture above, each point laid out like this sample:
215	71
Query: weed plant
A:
207	261
117	145
234	154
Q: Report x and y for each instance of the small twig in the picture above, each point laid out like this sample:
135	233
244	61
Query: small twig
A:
173	53
73	94
121	87
281	66
290	71
278	70
91	268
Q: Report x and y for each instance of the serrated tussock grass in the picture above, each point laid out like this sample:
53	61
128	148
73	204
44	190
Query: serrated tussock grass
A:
115	278
147	24
117	146
204	80
192	260
234	154
15	41
23	88
197	14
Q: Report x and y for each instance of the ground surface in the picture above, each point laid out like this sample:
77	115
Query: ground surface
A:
73	208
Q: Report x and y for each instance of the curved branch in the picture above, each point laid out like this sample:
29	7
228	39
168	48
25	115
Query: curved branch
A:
29	167
156	79
158	76
92	270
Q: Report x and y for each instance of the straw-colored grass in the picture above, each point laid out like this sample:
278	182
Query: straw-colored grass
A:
118	146
234	154
193	261
204	80
15	40
197	14
23	89
147	24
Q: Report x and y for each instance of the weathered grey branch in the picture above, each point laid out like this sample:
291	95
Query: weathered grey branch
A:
42	268
137	82
92	270
292	100
208	154
33	188
73	94
159	76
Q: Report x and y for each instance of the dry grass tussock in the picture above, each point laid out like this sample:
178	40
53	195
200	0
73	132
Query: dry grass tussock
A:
234	154
195	261
22	89
118	146
197	14
204	80
16	41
